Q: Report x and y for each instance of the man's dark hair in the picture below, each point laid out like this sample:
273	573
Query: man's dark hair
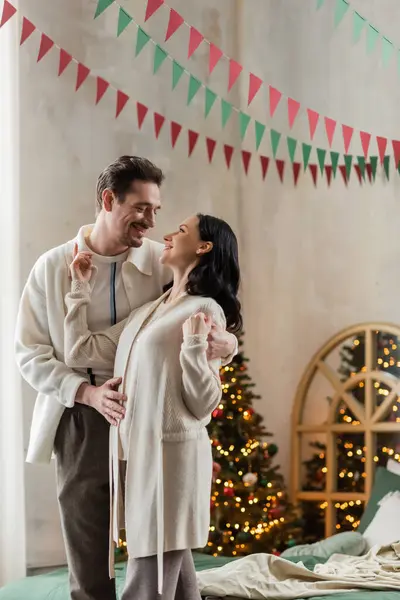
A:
119	176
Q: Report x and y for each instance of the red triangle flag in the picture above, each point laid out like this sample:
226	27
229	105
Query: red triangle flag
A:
210	148
195	39
254	85
314	173
228	151
343	171
330	126
152	7
81	76
328	171
293	109
264	165
45	45
234	71
313	118
365	140
158	123
396	152
215	56
102	87
175	21
274	99
122	99
142	111
296	172
193	136
176	128
65	59
358	171
382	143
347	136
8	11
280	165
27	29
246	156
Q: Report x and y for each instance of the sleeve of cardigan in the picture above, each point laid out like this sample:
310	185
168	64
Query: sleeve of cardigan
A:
34	351
201	382
82	347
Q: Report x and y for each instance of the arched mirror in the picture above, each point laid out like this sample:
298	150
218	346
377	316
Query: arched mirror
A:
346	421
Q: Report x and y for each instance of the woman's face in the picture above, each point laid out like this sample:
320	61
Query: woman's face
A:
183	247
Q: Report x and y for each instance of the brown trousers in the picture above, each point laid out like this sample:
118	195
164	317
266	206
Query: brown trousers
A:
180	581
82	448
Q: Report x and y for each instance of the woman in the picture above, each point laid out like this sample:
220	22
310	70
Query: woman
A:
172	388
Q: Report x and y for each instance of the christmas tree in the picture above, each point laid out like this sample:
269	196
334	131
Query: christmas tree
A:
351	448
249	508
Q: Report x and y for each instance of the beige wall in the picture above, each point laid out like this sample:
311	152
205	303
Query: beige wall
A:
314	261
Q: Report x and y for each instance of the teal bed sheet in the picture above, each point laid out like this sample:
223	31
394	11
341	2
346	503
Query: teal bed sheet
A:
54	585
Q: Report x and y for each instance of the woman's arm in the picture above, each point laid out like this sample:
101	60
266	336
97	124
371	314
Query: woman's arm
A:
200	376
82	347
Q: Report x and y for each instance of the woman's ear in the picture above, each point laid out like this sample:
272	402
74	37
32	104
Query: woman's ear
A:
205	248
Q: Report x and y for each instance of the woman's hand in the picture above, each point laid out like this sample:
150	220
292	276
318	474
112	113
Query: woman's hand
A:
199	324
81	267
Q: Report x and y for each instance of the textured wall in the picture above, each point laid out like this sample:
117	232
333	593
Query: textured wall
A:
314	260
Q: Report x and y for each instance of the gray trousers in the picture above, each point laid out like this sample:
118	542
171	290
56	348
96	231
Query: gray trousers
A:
81	448
179	578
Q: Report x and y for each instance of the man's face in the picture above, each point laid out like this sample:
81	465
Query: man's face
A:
131	220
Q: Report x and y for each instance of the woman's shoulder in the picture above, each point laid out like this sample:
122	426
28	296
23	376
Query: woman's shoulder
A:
207	305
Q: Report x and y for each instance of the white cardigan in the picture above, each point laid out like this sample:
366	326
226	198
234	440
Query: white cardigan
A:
40	331
172	390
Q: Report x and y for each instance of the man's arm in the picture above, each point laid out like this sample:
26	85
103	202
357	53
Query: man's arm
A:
34	351
222	344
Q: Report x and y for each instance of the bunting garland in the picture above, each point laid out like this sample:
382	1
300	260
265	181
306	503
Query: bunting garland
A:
359	24
196	38
122	99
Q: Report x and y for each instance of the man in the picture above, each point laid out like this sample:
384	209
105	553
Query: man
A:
74	409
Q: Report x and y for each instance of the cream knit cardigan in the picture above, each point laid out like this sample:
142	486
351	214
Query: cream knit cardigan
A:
172	390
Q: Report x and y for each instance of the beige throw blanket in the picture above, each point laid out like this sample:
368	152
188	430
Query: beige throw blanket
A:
264	576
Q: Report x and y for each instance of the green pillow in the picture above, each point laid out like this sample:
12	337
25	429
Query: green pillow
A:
385	482
348	542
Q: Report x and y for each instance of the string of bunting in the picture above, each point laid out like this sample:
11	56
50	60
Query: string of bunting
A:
361	24
210	98
363	168
255	83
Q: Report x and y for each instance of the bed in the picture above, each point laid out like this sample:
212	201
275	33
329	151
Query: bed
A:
54	586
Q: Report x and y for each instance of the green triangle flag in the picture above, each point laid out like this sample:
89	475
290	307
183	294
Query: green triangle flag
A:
194	86
334	161
321	153
141	40
372	38
358	26
292	145
386	164
361	164
244	121
123	21
159	56
348	159
374	164
387	51
210	99
306	154
342	6
275	139
260	130
177	72
226	111
320	3
102	5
